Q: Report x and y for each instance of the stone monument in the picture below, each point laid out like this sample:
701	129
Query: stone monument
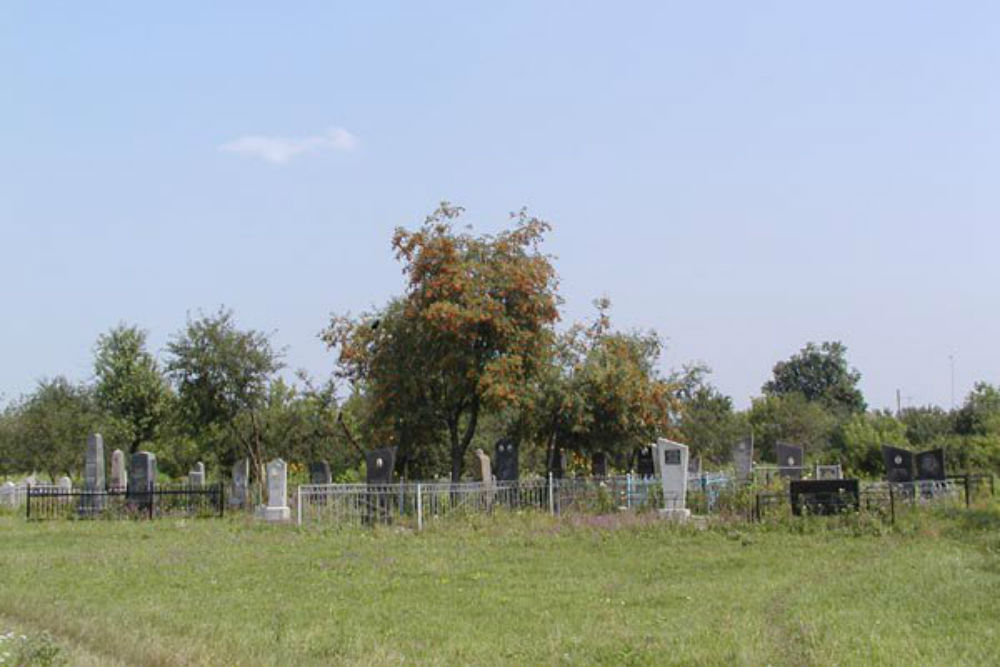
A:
93	470
743	459
196	477
119	474
599	464
241	475
506	458
484	470
898	464
277	508
672	460
65	484
644	464
319	473
789	458
930	465
379	464
142	480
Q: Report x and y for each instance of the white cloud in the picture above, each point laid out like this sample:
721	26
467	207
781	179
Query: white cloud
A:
279	150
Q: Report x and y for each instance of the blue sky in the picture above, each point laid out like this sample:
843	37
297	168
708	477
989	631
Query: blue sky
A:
742	177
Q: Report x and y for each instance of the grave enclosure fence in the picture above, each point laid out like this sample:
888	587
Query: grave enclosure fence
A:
162	500
414	504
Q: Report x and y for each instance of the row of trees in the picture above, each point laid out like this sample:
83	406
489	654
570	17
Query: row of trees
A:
468	353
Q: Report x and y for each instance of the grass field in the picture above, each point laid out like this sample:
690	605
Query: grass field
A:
510	591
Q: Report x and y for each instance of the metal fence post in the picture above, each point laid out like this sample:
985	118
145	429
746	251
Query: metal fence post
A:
966	491
420	508
298	504
892	506
552	498
628	491
27	492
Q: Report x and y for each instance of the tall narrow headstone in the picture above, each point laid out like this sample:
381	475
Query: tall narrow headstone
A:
930	465
93	470
743	459
319	473
506	458
672	460
277	508
142	480
599	464
119	474
196	477
93	499
645	465
790	460
898	464
483	469
241	475
379	464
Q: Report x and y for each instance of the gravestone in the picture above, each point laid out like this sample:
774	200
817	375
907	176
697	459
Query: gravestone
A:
829	471
379	464
142	480
65	484
743	459
241	475
898	464
672	460
483	469
196	476
319	473
824	496
505	453
119	474
599	464
930	465
277	508
93	470
644	463
95	496
8	494
789	459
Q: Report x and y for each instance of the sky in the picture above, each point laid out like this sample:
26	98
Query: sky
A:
742	177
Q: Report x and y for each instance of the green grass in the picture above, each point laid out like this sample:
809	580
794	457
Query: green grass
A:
510	591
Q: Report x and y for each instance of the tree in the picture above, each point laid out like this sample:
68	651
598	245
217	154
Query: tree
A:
791	418
130	386
980	414
708	423
223	376
819	373
600	391
858	441
469	334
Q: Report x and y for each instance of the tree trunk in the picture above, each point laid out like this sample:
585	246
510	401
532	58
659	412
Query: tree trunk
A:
460	444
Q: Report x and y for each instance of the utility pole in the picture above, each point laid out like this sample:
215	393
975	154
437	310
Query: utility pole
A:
899	408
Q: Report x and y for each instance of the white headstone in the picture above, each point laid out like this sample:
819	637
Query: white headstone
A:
119	473
65	484
277	508
672	461
196	477
8	494
485	470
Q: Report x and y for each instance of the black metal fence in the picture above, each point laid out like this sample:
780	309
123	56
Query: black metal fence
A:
884	499
165	500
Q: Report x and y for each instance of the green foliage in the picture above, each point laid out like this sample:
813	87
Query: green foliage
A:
980	415
708	423
791	418
819	373
223	377
130	386
926	424
34	651
858	441
471	331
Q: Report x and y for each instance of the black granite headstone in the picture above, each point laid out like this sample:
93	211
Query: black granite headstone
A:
379	464
319	473
898	464
644	464
142	479
930	465
505	453
599	464
789	458
824	496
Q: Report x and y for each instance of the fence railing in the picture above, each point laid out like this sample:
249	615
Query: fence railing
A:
156	501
